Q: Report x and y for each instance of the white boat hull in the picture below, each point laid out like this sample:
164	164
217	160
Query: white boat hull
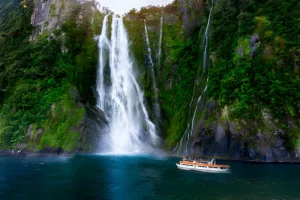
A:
202	169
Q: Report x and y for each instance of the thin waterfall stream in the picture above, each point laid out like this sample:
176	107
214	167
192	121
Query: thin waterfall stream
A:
160	42
152	74
182	146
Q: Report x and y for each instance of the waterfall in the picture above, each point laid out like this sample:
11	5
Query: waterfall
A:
186	137
183	144
152	74
103	45
160	41
119	95
206	40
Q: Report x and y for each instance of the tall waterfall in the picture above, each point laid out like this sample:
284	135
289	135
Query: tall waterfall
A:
182	146
160	41
152	73
119	95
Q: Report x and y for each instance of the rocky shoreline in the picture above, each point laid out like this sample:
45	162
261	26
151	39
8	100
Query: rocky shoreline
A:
247	160
59	153
44	153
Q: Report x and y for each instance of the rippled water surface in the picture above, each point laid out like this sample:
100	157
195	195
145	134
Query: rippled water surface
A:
140	177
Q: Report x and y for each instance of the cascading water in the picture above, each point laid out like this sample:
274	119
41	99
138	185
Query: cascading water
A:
119	95
104	46
160	41
206	40
152	73
182	146
185	138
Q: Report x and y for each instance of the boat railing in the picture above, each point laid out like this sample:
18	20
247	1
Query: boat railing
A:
213	161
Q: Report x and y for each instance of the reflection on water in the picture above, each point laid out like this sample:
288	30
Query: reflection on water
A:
140	177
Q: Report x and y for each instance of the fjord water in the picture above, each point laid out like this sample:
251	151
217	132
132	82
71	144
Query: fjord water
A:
140	177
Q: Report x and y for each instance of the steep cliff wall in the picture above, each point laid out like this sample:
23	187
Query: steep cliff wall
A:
47	103
244	104
249	109
50	15
253	111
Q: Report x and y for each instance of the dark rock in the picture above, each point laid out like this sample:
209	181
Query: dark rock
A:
75	95
253	44
38	135
290	123
96	124
210	106
30	131
281	132
269	155
254	39
21	153
21	146
233	139
253	51
13	153
53	151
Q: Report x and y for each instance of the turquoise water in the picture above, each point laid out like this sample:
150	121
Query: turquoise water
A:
140	177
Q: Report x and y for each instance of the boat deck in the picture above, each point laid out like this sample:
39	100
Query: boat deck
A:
204	165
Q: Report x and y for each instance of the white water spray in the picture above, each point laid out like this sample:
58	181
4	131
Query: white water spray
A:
120	97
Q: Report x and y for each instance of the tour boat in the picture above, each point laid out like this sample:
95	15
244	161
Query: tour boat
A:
203	166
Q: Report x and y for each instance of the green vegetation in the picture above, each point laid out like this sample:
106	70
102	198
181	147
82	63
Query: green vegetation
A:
268	80
179	62
36	75
245	85
62	129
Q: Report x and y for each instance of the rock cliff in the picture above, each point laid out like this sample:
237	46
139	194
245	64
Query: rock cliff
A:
50	15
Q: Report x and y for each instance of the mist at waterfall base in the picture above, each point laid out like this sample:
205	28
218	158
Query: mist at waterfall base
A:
130	130
140	177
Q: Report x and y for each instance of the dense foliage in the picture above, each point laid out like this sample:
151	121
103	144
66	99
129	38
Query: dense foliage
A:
36	75
267	79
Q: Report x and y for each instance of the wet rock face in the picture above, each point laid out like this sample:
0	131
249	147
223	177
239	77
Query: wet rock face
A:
30	131
254	39
52	151
38	135
233	140
253	44
13	153
40	16
95	123
41	12
235	147
49	15
187	9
